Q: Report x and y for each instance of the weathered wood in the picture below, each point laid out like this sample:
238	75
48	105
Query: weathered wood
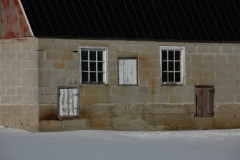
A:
127	71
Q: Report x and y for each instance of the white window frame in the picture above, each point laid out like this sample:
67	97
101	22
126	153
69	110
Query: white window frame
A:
105	67
136	74
182	64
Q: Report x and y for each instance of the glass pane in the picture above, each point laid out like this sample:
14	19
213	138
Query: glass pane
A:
177	55
164	55
100	66
92	66
177	77
177	66
164	76
100	56
170	55
85	66
170	66
92	55
84	77
100	77
164	66
171	77
84	55
93	77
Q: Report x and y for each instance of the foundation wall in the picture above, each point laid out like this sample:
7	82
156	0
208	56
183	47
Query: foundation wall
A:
19	83
149	105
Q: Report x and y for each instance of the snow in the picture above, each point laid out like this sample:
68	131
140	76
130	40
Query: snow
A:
18	144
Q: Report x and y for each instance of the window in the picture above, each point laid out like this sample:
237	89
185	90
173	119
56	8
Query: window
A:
67	102
172	65
93	65
127	71
204	101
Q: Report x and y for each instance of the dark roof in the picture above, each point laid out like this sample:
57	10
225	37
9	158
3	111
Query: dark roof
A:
170	20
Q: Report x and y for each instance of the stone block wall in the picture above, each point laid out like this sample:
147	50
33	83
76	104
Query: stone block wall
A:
147	106
19	83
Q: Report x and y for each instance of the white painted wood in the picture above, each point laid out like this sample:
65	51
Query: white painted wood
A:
68	102
127	71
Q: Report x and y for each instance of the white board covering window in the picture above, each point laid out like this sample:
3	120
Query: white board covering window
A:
67	102
127	71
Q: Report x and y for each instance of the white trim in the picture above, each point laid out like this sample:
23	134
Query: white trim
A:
182	70
105	58
19	1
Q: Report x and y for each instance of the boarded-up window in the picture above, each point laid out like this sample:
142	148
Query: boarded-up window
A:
204	100
127	71
67	102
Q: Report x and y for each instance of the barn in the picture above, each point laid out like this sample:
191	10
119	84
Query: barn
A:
142	65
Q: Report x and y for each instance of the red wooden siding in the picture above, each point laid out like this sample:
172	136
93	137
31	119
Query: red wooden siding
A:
12	20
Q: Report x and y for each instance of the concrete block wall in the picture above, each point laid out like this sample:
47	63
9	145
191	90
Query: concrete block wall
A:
134	107
19	83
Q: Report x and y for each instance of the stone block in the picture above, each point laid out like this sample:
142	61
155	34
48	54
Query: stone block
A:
144	73
6	47
27	82
66	73
45	99
203	48
32	73
144	56
11	56
217	81
50	126
99	98
209	58
85	99
112	73
16	82
58	81
196	57
233	74
59	46
188	98
33	55
2	56
114	99
113	81
112	56
124	99
153	47
66	56
72	46
162	98
236	49
144	90
127	47
196	73
27	99
227	49
72	65
112	64
223	58
216	48
154	82
16	99
114	46
27	46
127	90
50	73
204	81
229	98
11	91
5	82
51	55
103	90
16	46
44	82
233	58
90	90
16	64
41	55
22	55
140	47
221	74
11	74
45	64
155	56
4	65
6	100
125	54
175	99
190	48
153	64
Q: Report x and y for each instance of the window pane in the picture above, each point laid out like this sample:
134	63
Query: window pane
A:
100	77
93	77
164	55
164	76
177	77
170	55
85	66
170	66
92	66
177	55
99	56
164	66
84	77
84	55
177	66
92	55
171	77
100	66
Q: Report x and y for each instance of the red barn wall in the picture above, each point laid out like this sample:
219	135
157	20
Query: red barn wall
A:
13	23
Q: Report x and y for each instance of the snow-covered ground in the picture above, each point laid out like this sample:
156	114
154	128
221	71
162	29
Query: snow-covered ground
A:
111	145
